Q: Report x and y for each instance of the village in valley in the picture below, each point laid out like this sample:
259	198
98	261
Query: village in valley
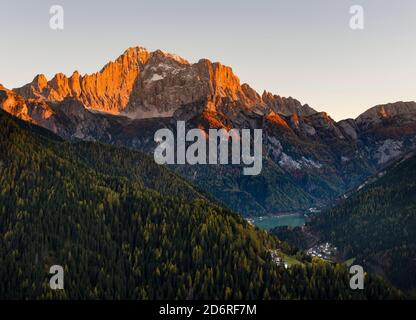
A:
277	258
324	251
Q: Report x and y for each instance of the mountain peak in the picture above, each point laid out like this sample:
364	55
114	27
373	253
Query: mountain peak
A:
134	53
135	50
150	84
404	110
75	74
13	104
40	80
286	106
169	55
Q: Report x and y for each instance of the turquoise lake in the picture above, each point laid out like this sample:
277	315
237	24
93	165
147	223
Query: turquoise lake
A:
269	222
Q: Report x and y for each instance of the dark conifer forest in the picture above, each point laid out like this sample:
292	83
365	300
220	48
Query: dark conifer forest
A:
125	228
377	224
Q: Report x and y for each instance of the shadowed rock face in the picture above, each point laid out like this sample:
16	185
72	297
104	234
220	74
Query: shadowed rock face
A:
400	111
387	131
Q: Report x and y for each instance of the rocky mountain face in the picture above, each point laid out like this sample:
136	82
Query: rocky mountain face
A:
13	103
108	90
308	157
35	110
384	132
144	84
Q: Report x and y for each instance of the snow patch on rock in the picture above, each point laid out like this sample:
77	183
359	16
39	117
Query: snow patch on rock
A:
175	57
156	77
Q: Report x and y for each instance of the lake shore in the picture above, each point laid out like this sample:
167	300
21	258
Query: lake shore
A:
293	219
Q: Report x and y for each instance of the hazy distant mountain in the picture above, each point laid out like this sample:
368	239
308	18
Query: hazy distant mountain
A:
388	131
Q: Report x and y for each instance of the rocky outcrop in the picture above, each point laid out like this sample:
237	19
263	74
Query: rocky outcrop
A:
286	106
36	111
13	104
387	131
400	112
108	90
166	86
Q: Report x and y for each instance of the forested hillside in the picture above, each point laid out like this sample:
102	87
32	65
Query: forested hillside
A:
377	225
124	228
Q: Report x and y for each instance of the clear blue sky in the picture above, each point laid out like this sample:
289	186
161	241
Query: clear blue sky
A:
298	48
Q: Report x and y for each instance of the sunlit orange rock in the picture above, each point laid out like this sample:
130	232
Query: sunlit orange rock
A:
273	117
147	84
108	90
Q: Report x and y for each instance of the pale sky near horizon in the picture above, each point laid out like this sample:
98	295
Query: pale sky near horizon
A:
299	48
